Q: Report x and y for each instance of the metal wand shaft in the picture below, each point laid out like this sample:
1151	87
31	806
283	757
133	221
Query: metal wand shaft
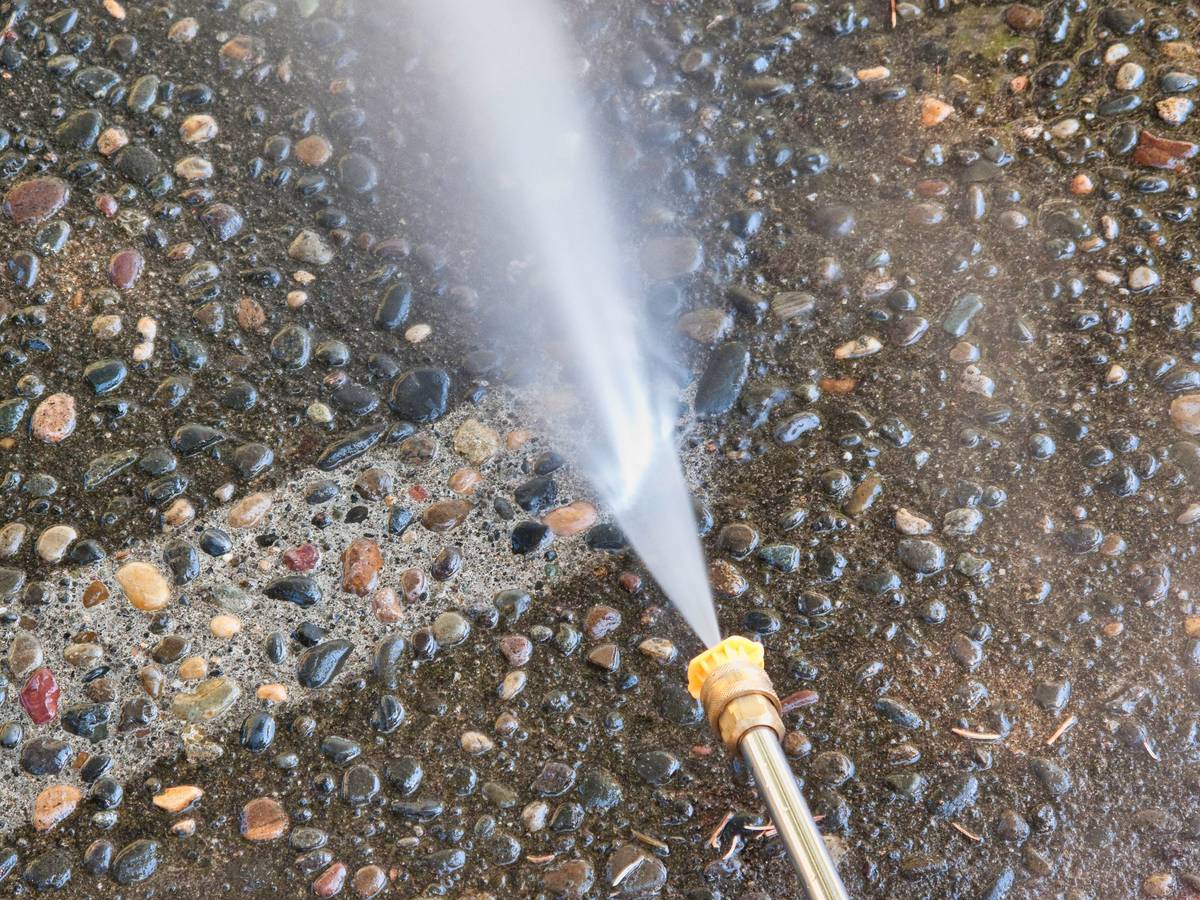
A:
790	815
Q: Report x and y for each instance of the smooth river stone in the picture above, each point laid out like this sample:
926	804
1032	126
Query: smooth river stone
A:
53	420
125	268
40	696
475	441
361	562
54	804
445	515
12	536
209	700
723	380
420	395
52	543
263	819
321	664
248	511
144	586
574	518
35	200
222	220
24	655
666	258
1185	413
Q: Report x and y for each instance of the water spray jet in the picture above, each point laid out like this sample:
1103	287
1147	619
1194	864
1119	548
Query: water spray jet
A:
732	685
511	67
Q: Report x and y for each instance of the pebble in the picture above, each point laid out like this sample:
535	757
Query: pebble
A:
1174	110
177	799
250	510
922	556
572	519
263	819
668	258
313	150
54	419
420	395
934	111
450	628
125	268
1185	413
476	442
361	564
209	700
445	515
330	882
319	665
386	606
54	804
309	247
144	586
369	881
910	523
1143	278
24	654
722	381
197	129
136	862
35	200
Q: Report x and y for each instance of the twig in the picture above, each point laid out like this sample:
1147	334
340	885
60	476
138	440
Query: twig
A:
714	839
652	841
734	846
892	5
1149	749
978	735
1066	725
972	835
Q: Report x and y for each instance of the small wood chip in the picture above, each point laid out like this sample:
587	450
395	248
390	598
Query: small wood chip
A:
715	837
972	835
1066	725
652	841
977	735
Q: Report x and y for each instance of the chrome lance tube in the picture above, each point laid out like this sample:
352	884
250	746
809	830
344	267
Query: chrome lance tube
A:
732	685
790	815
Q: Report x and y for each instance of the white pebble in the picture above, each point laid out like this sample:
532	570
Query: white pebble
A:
418	333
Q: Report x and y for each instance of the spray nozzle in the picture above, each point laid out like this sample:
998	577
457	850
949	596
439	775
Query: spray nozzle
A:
731	684
729	650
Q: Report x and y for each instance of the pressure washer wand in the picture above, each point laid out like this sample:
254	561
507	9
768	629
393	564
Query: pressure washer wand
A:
742	707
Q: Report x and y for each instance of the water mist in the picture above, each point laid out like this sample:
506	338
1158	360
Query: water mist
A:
514	97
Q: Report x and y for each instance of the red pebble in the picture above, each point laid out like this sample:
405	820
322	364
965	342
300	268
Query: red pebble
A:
303	558
418	493
39	697
630	582
107	204
125	268
330	882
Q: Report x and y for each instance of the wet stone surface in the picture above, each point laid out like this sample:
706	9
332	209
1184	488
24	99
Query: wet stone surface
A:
296	600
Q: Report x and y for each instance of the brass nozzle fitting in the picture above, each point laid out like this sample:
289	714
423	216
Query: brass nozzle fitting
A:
732	686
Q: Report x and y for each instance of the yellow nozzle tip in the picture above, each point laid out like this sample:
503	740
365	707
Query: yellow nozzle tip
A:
730	649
